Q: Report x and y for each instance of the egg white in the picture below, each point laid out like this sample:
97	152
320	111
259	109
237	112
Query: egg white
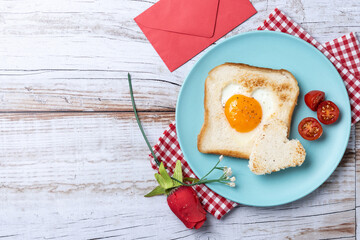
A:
264	96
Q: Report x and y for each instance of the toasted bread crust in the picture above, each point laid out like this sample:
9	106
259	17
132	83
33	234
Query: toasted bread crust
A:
239	154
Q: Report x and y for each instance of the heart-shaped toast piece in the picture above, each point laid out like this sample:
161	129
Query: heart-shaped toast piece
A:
272	150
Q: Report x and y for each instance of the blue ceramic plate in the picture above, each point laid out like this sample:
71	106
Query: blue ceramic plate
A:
313	71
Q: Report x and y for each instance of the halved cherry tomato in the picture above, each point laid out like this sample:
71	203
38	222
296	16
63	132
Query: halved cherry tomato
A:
314	98
328	112
310	129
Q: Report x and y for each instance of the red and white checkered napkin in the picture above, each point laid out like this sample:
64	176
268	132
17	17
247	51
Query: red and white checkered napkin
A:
343	52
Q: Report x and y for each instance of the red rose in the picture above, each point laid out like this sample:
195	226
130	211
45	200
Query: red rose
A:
185	204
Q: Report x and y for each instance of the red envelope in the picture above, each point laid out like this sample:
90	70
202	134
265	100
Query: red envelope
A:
180	29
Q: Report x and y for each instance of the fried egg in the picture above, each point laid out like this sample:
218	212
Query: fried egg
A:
245	110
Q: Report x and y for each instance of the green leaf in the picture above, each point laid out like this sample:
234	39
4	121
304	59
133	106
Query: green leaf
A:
189	179
160	180
166	179
163	183
177	174
157	191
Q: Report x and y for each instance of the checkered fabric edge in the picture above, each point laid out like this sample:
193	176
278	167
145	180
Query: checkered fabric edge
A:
346	50
168	151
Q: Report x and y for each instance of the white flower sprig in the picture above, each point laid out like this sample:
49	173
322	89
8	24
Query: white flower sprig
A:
225	178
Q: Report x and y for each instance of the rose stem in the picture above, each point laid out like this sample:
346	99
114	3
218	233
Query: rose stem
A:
138	121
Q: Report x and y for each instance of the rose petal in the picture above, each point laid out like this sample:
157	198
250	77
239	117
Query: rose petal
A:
199	224
189	224
185	204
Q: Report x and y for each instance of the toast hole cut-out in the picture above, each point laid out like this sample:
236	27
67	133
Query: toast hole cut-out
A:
243	113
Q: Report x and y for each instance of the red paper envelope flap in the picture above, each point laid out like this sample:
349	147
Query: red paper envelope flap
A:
193	17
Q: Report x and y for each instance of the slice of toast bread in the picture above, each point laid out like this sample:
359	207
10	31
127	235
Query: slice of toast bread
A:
272	150
216	135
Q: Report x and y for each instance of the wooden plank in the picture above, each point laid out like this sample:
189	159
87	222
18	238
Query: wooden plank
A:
357	185
83	175
48	90
33	33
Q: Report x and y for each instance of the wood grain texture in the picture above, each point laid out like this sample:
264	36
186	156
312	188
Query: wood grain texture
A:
67	90
67	168
73	164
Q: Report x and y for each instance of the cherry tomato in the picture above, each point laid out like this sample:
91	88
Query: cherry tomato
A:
310	129
314	98
328	112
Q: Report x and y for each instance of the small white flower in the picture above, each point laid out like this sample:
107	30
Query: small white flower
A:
221	158
231	184
233	179
228	171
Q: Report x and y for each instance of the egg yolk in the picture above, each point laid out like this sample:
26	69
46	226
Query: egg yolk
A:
243	113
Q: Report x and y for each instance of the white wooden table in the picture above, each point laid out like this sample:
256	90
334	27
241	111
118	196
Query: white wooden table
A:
73	164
